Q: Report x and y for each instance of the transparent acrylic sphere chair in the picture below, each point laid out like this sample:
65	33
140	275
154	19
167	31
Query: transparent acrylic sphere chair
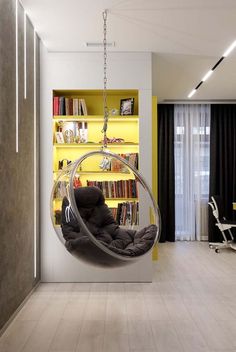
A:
131	191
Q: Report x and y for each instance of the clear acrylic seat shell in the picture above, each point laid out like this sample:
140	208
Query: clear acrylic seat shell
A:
96	253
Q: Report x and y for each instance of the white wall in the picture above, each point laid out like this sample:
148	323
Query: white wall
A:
85	71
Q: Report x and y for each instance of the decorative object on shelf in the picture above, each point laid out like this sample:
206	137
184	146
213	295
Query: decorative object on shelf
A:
113	140
114	112
61	163
83	132
127	106
77	183
69	136
59	137
105	164
69	129
60	126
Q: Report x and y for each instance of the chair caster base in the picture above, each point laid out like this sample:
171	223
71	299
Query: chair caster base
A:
222	245
233	246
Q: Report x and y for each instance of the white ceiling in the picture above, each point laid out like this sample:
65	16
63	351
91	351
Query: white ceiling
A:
196	27
181	32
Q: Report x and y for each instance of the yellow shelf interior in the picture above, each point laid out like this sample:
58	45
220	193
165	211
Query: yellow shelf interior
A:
94	98
125	127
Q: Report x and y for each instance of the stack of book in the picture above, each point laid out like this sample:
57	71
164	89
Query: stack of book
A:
126	214
69	106
116	189
118	166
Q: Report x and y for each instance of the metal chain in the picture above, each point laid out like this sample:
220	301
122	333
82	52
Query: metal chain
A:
105	108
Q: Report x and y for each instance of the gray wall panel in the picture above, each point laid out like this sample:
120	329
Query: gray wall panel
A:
17	169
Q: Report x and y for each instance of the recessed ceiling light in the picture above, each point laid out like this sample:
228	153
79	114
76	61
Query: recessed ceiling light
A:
98	44
191	93
230	48
209	73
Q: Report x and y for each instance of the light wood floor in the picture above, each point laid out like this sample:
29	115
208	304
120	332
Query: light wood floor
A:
189	307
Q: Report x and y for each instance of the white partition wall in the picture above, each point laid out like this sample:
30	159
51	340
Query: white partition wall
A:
85	71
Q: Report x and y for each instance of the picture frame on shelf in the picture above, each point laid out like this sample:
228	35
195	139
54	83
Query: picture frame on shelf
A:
59	137
127	107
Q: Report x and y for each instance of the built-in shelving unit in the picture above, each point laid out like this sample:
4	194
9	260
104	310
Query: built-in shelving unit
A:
76	134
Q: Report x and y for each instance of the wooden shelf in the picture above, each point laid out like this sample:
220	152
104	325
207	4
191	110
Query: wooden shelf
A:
122	199
94	92
130	227
95	118
97	172
110	199
92	145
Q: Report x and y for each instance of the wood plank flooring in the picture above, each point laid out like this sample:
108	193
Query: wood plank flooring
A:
189	307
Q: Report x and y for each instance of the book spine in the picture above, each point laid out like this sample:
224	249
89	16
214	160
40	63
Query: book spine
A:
80	107
56	106
70	106
62	106
84	107
67	106
76	106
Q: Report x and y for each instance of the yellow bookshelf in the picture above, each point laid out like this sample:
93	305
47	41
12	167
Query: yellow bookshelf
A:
124	127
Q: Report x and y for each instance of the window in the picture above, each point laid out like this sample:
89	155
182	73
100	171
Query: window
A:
192	163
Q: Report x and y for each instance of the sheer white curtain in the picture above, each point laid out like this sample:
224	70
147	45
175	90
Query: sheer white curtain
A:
192	162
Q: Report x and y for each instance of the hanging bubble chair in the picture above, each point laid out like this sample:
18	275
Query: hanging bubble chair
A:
107	217
102	222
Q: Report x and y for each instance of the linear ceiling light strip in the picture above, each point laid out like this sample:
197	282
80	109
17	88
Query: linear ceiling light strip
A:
25	56
35	159
17	83
209	73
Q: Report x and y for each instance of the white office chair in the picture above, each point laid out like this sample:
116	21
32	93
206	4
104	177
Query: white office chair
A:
223	224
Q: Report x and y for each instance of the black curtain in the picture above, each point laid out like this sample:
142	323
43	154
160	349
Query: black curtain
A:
166	171
222	162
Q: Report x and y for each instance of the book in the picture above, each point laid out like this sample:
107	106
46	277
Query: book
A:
75	106
62	106
67	109
118	166
83	107
56	106
70	106
126	213
116	189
